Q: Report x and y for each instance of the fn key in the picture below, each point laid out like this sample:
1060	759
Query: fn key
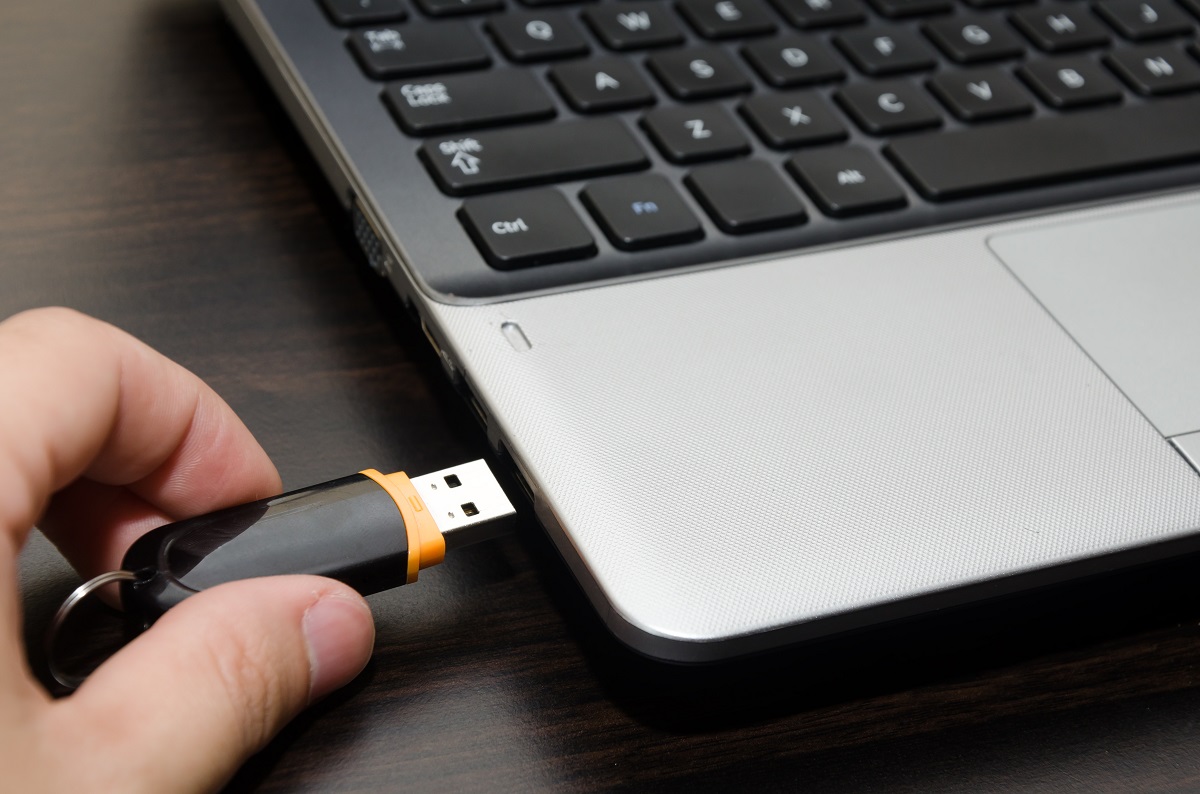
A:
531	227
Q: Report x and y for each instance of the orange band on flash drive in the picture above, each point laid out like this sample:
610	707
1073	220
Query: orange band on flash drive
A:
426	546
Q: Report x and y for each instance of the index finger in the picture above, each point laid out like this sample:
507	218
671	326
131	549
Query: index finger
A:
80	398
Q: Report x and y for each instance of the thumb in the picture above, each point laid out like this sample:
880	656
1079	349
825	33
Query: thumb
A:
184	704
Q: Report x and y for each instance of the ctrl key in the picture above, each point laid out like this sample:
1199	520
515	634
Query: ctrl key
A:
530	227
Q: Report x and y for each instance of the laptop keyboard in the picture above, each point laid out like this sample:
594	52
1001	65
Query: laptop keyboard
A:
684	125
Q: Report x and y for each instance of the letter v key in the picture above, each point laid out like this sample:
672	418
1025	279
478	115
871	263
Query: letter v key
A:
983	94
981	89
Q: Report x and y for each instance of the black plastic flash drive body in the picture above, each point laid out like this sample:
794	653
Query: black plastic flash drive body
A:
370	530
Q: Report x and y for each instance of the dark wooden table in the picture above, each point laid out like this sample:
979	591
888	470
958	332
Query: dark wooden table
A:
147	177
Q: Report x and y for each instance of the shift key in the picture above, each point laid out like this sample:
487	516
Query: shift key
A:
532	155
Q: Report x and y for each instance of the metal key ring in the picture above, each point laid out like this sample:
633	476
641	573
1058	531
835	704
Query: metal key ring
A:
60	617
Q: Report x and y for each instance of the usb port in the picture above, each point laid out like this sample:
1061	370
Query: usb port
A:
515	469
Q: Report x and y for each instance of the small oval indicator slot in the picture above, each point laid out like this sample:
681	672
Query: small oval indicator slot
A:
515	336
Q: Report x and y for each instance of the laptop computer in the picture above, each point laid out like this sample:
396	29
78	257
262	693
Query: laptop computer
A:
793	317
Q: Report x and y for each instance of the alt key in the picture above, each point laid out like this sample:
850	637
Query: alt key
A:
846	180
526	228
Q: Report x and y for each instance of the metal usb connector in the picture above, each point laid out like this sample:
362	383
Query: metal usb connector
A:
466	502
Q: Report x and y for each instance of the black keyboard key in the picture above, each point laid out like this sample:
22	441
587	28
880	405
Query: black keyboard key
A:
810	14
972	40
633	26
793	118
529	227
746	196
695	132
537	36
1155	70
994	3
847	180
642	211
886	108
599	85
529	155
1057	28
911	8
460	102
1070	83
540	3
1052	149
453	8
364	12
793	61
724	19
418	49
698	73
1142	20
879	51
980	94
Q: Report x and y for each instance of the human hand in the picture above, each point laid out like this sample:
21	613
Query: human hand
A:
102	439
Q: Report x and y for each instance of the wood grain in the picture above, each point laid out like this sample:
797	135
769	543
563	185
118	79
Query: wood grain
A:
149	178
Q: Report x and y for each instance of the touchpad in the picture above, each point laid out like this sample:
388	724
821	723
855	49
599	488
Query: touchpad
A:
1127	288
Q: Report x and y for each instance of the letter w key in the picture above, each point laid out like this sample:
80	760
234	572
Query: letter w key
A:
633	26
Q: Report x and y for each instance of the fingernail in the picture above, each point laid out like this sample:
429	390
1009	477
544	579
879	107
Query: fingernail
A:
340	635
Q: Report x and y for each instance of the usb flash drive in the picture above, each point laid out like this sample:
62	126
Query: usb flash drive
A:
372	531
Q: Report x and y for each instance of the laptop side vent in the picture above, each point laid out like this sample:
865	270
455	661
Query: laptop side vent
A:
367	234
